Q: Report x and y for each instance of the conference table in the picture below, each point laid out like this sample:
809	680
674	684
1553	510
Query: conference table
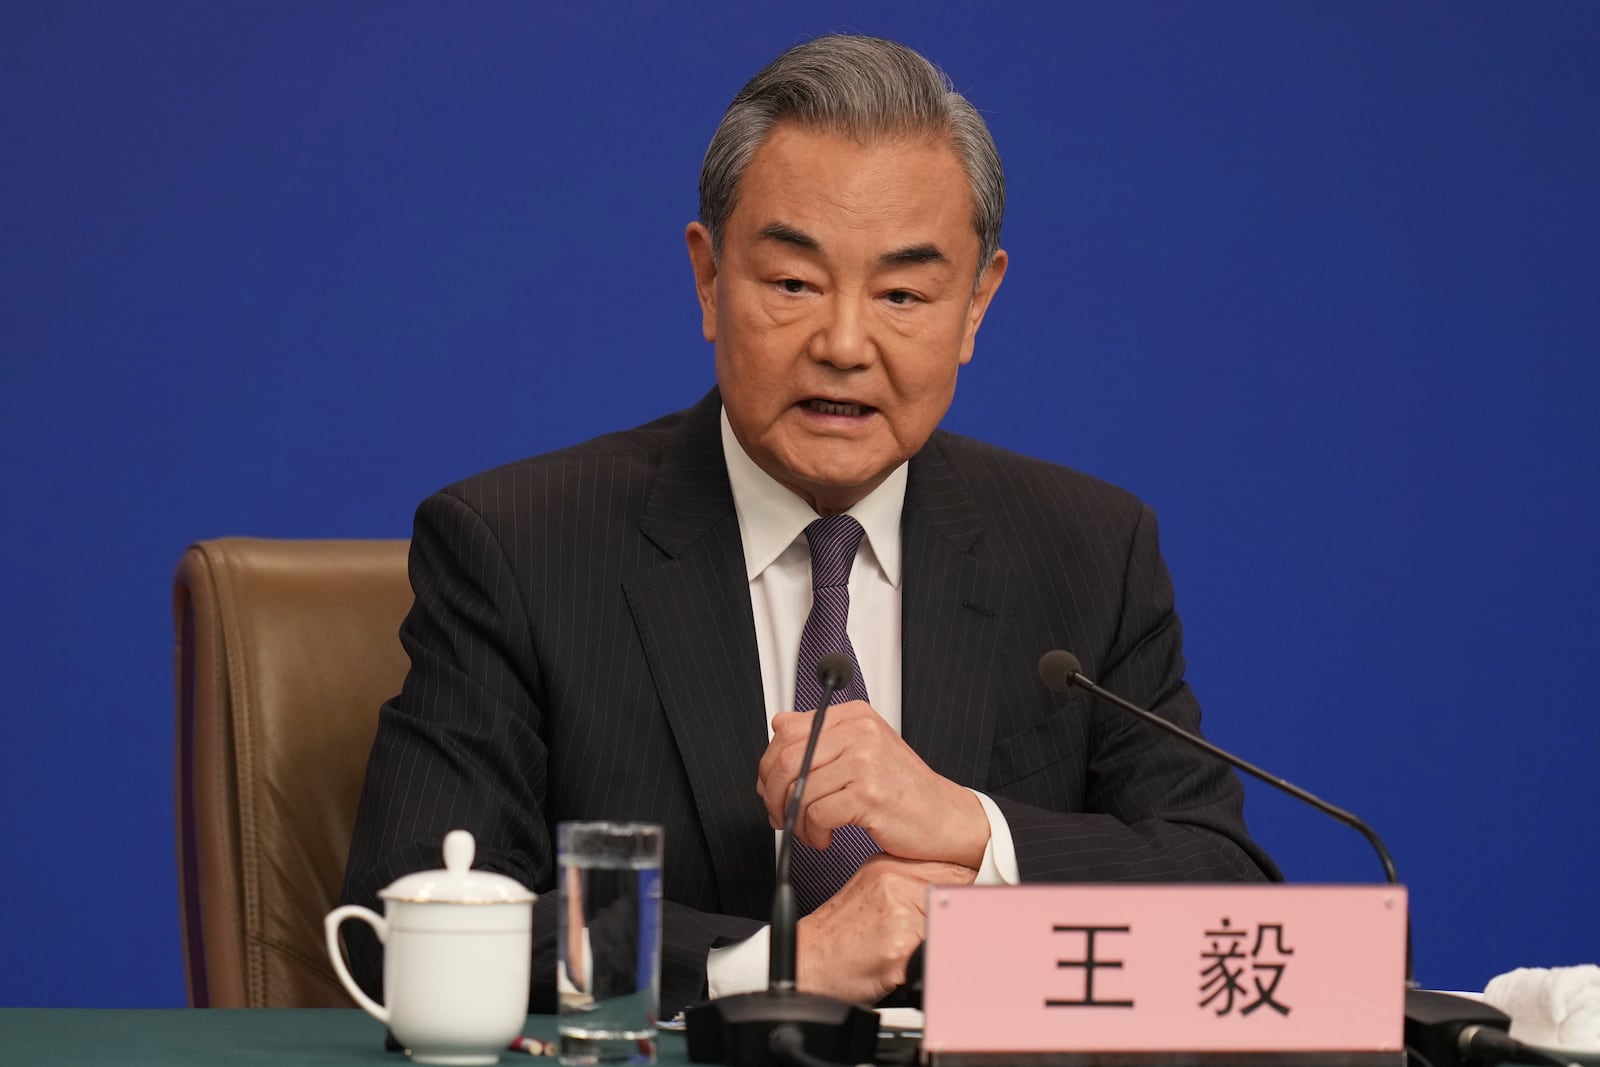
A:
251	1037
257	1037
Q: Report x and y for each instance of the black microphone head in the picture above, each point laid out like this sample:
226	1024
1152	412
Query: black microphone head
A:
1057	668
835	670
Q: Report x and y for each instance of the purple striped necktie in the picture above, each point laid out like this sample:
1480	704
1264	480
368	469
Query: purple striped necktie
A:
817	875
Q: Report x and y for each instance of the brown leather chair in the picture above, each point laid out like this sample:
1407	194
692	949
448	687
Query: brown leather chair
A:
285	651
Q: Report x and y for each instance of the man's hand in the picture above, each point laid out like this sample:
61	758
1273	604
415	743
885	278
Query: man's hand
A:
856	945
865	775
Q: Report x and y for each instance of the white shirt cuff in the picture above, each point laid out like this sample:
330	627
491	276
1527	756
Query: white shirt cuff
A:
741	968
999	865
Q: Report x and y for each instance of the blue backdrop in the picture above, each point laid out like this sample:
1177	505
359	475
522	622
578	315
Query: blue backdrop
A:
1320	282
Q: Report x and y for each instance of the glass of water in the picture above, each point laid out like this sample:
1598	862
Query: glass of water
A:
608	941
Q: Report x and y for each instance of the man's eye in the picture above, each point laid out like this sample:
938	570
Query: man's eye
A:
901	297
792	285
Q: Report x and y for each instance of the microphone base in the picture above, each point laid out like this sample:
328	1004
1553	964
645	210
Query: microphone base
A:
737	1030
1434	1022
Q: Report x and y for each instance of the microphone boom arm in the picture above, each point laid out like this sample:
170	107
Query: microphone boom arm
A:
782	947
1076	677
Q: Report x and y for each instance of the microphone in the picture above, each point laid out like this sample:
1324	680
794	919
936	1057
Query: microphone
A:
834	672
1441	1030
784	1027
1061	671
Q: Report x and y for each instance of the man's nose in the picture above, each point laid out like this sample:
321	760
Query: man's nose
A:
842	338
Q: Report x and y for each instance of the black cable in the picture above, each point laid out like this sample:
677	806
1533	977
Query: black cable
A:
1486	1044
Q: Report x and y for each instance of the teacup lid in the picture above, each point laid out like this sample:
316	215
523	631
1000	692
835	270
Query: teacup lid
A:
457	882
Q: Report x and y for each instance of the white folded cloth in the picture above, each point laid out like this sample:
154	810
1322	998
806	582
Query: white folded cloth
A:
1558	1007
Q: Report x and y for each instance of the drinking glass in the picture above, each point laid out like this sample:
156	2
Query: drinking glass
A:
608	941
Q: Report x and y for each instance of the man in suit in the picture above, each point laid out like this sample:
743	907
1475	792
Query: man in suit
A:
621	630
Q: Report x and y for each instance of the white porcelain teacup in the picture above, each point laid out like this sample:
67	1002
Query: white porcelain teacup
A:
456	958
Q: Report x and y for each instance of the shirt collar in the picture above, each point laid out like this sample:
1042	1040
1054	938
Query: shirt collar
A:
771	517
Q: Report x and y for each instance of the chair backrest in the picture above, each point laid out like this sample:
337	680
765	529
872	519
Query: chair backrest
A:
285	652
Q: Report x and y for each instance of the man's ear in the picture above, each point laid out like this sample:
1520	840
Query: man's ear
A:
988	282
704	263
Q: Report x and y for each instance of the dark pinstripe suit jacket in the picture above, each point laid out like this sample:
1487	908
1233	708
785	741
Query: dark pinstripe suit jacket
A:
582	647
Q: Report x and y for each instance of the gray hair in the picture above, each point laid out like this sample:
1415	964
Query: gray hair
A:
864	88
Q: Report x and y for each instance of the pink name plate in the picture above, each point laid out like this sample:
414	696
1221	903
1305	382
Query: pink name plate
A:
1166	969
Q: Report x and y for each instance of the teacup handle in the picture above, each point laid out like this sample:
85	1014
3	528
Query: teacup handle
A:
331	924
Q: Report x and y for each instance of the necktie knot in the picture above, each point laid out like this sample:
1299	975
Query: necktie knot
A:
833	542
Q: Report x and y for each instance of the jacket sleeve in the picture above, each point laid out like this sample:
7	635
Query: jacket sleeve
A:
464	746
1153	808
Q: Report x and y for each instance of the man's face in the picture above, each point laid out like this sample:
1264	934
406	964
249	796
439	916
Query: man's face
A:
842	306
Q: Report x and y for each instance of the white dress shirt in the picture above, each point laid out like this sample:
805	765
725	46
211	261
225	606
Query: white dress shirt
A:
772	523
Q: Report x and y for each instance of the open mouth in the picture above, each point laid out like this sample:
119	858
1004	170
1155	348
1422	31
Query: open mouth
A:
837	407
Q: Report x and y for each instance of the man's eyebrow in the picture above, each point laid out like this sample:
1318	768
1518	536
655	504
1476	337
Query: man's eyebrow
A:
778	231
909	255
925	253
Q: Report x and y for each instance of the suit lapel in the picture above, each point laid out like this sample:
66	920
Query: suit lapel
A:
955	606
694	619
